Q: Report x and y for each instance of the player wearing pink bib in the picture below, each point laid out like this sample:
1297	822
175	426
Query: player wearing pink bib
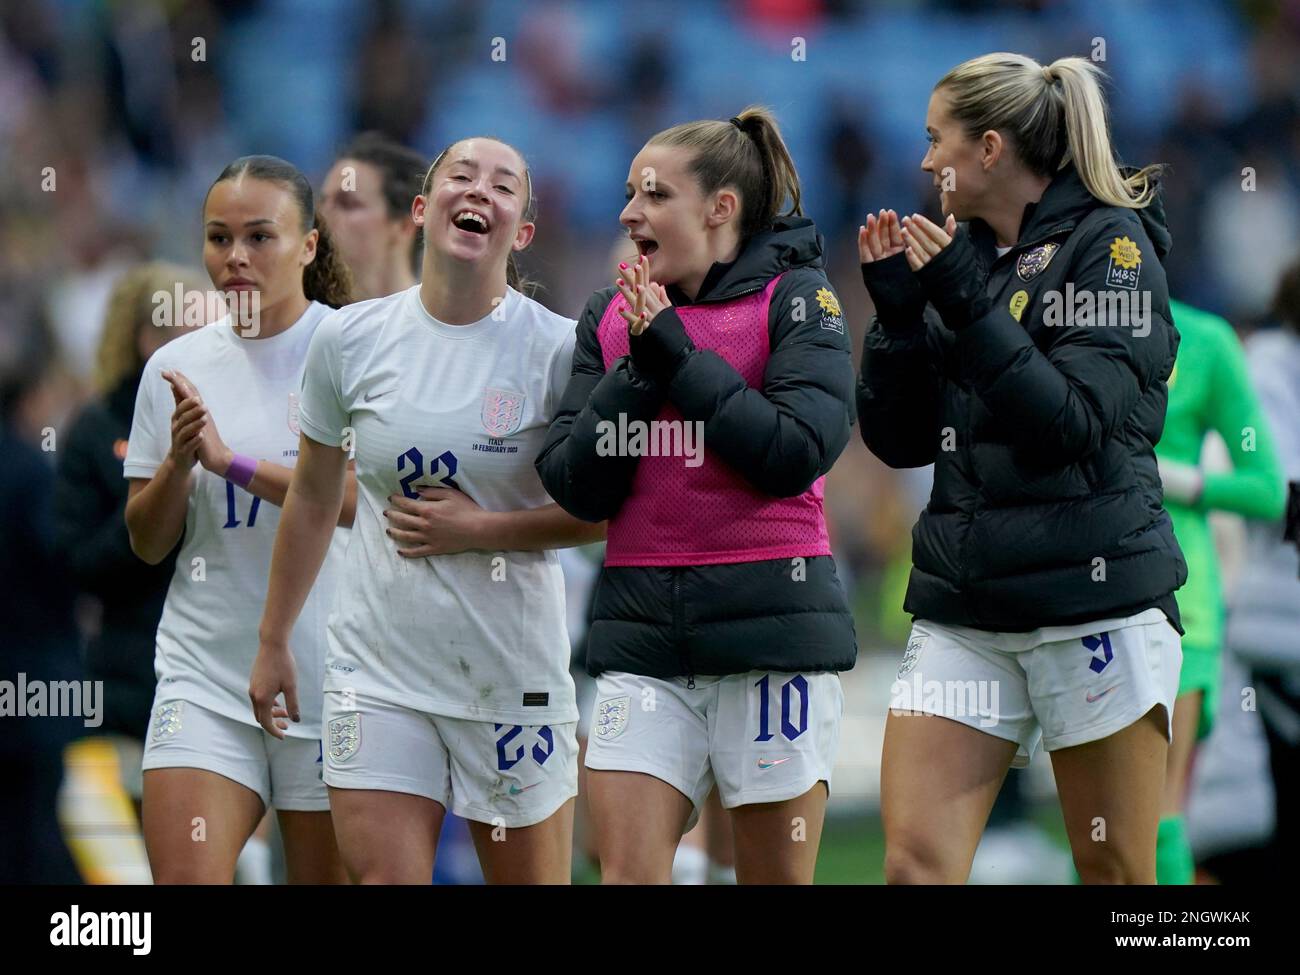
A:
705	408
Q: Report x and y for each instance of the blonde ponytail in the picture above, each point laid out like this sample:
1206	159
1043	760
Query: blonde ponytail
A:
1053	115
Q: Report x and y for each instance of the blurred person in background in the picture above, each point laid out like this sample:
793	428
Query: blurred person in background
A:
1264	623
366	202
206	756
1042	440
1209	390
89	509
40	641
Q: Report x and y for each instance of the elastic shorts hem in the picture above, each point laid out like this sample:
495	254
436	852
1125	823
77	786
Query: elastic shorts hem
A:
303	805
1105	729
202	764
489	817
645	769
973	721
752	797
382	783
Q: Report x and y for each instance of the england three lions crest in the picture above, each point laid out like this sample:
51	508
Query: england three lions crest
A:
611	717
1032	262
503	411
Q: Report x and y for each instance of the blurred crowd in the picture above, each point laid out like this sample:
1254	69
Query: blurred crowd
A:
115	117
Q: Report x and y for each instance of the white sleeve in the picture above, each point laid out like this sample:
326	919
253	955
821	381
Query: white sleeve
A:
322	413
561	371
151	429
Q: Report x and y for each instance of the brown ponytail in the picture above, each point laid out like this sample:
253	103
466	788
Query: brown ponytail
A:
748	153
327	279
516	280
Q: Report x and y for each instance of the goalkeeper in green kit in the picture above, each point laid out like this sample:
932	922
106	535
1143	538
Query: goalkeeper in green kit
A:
1208	390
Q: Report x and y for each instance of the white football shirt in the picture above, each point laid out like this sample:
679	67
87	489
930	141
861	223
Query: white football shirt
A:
207	638
477	635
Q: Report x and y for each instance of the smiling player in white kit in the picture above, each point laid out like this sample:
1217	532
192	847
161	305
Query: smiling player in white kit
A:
447	682
208	766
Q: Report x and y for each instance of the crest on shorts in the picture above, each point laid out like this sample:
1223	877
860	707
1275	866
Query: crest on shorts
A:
503	411
1032	262
911	655
293	414
167	719
344	737
611	717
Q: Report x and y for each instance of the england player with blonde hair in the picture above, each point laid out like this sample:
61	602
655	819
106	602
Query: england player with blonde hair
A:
1023	348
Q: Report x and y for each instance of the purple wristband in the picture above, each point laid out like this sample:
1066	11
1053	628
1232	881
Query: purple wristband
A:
241	470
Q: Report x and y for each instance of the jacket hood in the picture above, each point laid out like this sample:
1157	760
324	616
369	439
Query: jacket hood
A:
1066	201
790	242
1154	223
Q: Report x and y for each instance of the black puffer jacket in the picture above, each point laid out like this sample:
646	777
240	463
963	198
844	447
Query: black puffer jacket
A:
95	548
717	619
1046	506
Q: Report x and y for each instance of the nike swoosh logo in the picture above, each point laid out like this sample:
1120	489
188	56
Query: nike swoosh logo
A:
1093	700
764	763
515	790
369	396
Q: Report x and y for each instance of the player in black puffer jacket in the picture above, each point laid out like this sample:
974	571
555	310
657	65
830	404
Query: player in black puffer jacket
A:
1025	354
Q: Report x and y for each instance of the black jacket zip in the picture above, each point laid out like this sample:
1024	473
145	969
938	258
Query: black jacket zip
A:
678	626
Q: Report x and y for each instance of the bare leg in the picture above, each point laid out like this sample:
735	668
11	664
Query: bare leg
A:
639	821
1187	718
537	854
938	781
311	854
386	837
777	842
1110	793
195	824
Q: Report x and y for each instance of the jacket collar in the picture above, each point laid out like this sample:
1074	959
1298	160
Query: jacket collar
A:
789	243
1063	206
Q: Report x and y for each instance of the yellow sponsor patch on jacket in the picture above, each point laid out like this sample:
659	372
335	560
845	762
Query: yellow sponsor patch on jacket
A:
1125	264
1019	301
832	318
830	304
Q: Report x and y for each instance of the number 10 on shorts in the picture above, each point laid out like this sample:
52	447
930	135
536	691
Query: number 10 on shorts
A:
796	684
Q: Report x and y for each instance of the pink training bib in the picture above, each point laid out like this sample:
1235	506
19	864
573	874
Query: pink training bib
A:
709	515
